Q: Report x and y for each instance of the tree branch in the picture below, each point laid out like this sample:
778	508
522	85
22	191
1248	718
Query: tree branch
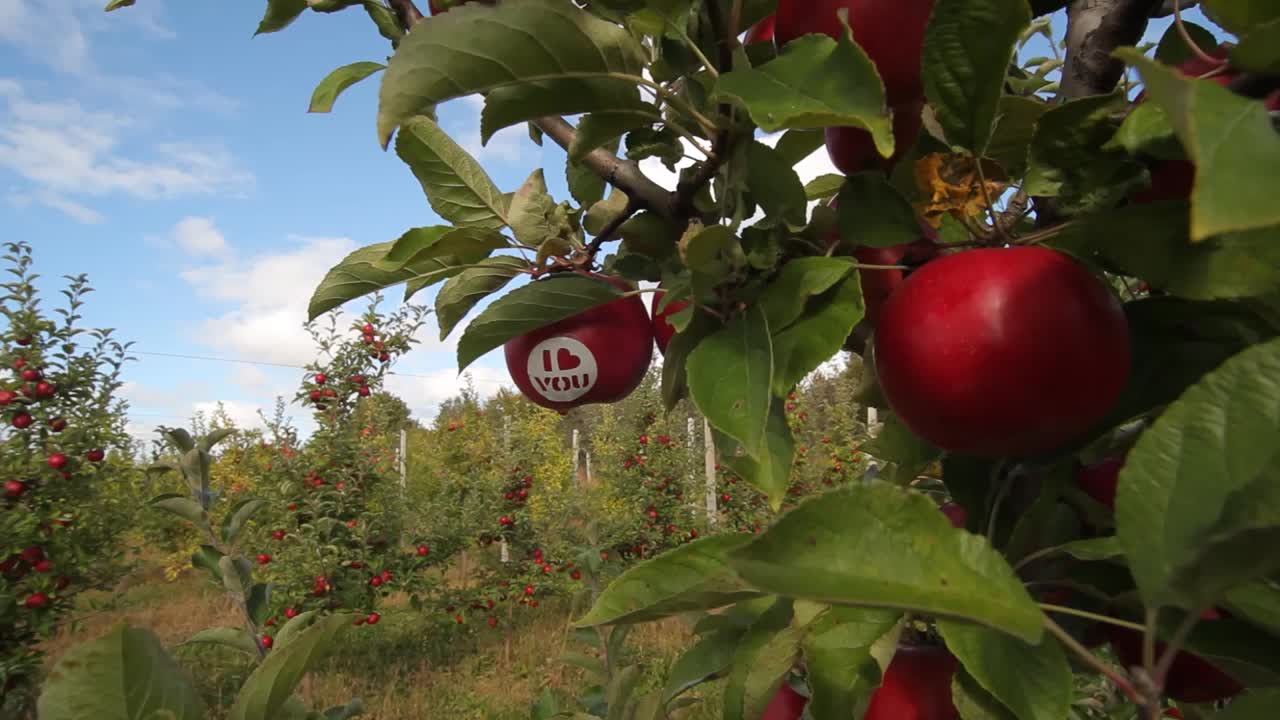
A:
622	174
720	143
1095	28
606	233
406	12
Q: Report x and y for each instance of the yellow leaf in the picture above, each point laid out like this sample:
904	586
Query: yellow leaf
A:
952	184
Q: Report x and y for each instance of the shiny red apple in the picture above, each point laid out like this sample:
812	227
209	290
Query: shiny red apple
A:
916	686
1002	352
663	330
597	356
852	150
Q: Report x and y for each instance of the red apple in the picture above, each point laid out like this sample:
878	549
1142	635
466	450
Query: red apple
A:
663	331
57	460
423	550
373	618
852	150
1001	352
321	378
58	424
95	455
1191	678
263	558
915	686
1099	480
786	704
7	396
597	356
31	375
36	601
46	390
13	489
761	31
22	420
290	613
955	513
267	642
891	33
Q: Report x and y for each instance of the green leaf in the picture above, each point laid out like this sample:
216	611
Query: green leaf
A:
208	558
457	187
1034	681
619	691
180	439
117	4
1240	16
327	92
546	706
123	675
771	472
385	20
967	50
816	82
1146	129
295	626
1258	603
239	514
1232	143
209	440
512	104
195	469
675	360
532	212
279	15
1016	119
1173	50
461	292
873	214
690	577
817	335
908	452
777	619
604	129
528	308
758	681
1188	540
1067	159
274	681
706	659
258	602
975	703
878	545
729	376
590	663
237	573
183	507
796	145
1259	51
504	46
823	187
1152	241
357	275
799	280
842	671
233	637
422	250
774	185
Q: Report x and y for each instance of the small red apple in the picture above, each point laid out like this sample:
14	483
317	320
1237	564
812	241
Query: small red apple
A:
321	378
7	396
36	601
373	618
663	330
916	686
597	356
43	566
363	391
1002	352
852	150
423	550
956	514
316	395
290	613
1099	480
13	489
264	558
23	341
786	704
22	420
46	390
267	642
31	375
57	460
95	455
277	534
58	424
761	31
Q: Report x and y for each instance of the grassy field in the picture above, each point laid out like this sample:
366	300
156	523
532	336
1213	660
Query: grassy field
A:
407	666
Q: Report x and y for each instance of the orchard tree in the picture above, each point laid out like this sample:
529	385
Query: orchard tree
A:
63	452
1044	270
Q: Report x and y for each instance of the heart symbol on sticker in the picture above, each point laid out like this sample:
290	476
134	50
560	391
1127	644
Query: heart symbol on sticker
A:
566	360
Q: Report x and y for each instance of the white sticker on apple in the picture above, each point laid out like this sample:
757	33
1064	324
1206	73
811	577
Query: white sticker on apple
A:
562	369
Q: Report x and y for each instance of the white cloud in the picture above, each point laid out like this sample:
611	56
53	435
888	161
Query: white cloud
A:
66	151
198	236
243	415
423	392
57	33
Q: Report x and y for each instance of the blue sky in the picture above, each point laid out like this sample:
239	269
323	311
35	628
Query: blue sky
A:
167	152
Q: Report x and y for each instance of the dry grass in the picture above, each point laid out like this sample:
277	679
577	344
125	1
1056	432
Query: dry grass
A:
408	666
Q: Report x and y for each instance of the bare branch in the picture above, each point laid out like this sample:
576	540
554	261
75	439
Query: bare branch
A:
1095	28
606	233
720	143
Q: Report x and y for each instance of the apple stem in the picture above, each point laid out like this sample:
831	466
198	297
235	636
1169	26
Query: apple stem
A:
606	233
1115	676
1093	616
